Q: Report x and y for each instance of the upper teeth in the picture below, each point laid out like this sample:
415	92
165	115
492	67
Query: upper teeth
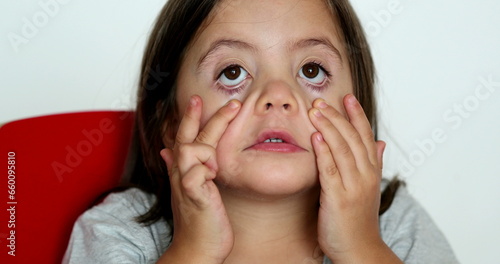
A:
274	140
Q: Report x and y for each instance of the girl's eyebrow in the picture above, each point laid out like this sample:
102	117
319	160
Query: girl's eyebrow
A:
218	44
312	42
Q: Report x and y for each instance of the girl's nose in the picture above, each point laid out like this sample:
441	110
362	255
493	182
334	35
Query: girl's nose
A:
277	96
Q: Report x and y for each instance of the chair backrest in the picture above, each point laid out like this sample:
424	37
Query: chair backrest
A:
53	169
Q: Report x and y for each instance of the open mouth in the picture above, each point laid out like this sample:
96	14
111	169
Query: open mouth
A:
276	141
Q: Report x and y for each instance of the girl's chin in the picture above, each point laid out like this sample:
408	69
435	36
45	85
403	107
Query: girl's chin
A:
268	166
268	174
262	186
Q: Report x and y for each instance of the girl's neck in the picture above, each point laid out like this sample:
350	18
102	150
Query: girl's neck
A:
273	231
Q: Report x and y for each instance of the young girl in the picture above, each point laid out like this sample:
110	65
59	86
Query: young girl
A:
257	146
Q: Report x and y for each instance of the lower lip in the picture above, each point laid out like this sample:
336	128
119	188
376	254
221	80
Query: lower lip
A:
277	147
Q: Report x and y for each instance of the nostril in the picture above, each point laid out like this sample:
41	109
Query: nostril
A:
286	106
268	105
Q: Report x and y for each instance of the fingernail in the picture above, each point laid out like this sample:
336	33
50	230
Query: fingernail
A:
193	101
322	104
352	99
232	105
317	113
319	137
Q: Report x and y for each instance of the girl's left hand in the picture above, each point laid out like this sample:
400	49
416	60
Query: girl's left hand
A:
350	167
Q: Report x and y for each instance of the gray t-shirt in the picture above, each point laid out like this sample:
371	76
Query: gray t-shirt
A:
108	233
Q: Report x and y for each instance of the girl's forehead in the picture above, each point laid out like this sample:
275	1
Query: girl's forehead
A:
266	23
260	11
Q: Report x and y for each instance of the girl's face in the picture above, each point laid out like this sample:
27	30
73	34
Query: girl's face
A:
276	57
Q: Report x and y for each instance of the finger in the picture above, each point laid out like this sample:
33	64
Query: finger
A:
195	184
329	175
216	126
190	155
204	154
168	156
358	119
348	132
340	149
190	123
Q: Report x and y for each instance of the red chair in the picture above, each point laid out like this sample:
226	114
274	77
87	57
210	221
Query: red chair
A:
62	164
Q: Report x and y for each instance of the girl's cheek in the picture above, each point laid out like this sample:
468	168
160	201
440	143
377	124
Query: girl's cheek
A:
210	107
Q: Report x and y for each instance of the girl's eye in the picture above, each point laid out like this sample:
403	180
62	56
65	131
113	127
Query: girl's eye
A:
232	76
313	72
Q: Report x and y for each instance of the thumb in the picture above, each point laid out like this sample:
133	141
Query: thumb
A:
380	153
168	156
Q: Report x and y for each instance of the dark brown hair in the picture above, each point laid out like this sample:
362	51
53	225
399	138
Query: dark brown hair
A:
175	28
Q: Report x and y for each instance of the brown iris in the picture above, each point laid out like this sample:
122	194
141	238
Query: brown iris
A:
232	72
310	70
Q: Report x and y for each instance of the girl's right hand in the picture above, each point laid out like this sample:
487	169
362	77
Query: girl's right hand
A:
202	231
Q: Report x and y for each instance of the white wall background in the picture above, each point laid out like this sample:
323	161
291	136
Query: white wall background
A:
439	78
